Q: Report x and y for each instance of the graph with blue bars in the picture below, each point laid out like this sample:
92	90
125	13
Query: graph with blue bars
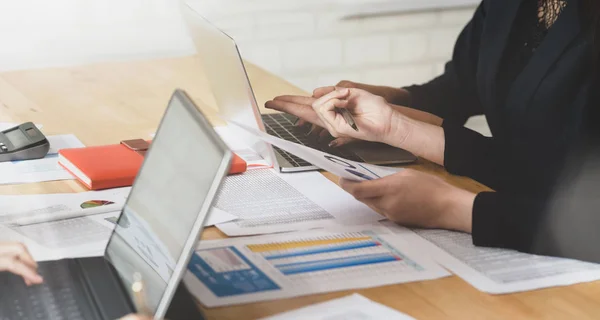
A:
329	253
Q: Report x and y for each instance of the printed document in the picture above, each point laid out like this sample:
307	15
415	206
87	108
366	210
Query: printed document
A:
45	169
56	226
39	208
352	307
498	271
69	238
344	168
250	269
266	201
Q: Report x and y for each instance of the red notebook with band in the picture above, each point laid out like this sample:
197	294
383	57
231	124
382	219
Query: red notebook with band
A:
114	166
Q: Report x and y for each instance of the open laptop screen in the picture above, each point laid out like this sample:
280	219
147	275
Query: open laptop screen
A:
225	72
180	175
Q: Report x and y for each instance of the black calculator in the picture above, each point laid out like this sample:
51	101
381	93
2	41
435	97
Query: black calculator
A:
23	142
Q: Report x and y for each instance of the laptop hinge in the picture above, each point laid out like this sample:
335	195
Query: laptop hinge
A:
78	273
103	285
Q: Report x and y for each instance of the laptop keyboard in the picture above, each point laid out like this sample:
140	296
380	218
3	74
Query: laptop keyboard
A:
55	299
282	125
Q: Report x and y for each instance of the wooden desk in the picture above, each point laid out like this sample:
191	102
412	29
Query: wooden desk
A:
105	103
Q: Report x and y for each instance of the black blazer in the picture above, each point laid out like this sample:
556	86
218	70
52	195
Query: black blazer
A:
533	126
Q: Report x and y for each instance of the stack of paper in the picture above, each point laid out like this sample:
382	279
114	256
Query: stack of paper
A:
266	201
46	169
495	270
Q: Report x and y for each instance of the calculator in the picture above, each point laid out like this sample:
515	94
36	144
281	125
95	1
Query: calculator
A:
23	142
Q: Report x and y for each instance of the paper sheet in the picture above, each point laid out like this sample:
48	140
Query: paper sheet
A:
46	169
352	307
38	208
69	238
498	271
56	226
217	216
253	159
344	168
266	201
250	269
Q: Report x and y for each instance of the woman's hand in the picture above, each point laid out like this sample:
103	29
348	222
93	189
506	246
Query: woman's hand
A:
300	106
392	95
398	98
416	199
15	258
375	119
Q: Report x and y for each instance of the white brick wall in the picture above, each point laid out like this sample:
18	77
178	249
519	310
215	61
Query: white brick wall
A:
308	43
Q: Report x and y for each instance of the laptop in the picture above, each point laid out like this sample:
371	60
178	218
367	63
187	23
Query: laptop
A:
153	239
236	101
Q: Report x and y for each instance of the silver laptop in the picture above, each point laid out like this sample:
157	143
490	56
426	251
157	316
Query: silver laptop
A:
225	71
153	239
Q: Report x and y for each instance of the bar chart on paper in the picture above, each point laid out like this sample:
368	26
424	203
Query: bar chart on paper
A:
301	257
249	270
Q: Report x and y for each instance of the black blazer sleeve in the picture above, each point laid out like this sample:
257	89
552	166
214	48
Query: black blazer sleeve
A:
507	220
500	166
453	95
485	159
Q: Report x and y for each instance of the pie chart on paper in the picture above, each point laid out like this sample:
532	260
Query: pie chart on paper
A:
95	203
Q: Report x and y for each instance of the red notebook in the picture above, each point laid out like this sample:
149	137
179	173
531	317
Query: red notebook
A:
114	166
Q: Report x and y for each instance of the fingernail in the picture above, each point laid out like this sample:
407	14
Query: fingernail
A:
333	144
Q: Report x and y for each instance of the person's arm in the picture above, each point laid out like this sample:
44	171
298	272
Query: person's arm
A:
468	153
506	220
453	95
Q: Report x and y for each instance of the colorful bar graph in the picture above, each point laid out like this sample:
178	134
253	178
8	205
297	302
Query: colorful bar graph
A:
328	264
317	254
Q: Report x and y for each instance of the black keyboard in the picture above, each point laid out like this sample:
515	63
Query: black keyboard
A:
282	125
55	299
